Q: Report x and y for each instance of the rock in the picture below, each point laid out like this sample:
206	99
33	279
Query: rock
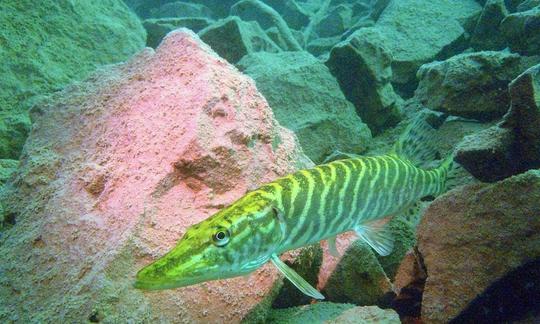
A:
145	8
472	85
156	29
489	155
524	116
511	299
306	99
522	31
43	53
359	279
409	285
181	9
472	236
233	38
314	313
7	167
255	10
322	46
147	148
420	31
404	239
512	146
336	22
528	5
486	35
307	264
291	11
368	87
366	315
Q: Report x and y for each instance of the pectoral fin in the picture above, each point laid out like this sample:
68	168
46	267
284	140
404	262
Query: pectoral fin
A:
378	235
295	278
332	246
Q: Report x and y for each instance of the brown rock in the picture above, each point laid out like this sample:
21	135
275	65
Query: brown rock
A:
472	236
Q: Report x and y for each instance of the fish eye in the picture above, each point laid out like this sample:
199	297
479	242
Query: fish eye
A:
221	237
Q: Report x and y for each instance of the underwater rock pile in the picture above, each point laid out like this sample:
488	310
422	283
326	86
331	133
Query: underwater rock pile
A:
117	166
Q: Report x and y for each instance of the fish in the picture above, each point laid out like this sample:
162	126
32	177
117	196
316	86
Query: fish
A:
307	206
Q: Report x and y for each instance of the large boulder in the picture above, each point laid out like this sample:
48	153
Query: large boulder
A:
291	11
362	66
471	85
182	9
473	236
42	52
513	145
522	31
306	99
146	149
420	31
233	38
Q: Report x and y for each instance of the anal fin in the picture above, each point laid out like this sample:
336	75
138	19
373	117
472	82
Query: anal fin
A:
378	235
295	278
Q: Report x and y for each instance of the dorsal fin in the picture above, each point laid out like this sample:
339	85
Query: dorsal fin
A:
416	142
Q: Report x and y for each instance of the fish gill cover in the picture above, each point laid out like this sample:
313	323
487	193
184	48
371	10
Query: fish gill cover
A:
251	130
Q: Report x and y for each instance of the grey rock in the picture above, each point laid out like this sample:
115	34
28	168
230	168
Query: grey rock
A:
156	29
182	9
362	66
419	31
291	11
359	278
306	99
254	10
233	38
473	85
487	35
522	31
366	315
336	21
528	5
513	145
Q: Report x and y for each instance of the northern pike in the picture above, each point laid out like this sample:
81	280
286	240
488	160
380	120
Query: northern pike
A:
299	209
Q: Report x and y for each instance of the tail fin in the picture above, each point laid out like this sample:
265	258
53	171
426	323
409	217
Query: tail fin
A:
416	143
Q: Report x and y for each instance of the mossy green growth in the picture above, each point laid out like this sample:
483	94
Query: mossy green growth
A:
404	240
359	278
314	313
307	265
7	167
48	44
260	313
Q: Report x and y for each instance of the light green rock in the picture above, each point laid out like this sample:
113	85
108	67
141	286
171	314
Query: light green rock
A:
522	31
359	278
362	66
156	29
366	315
315	313
7	167
306	99
419	31
233	38
48	44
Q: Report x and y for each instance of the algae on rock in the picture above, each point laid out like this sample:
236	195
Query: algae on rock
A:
43	52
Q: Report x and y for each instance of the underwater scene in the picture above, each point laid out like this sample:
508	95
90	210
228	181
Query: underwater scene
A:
270	161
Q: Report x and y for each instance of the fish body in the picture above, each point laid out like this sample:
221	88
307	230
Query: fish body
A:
297	210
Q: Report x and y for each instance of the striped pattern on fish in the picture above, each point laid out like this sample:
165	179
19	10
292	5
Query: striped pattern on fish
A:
336	197
299	209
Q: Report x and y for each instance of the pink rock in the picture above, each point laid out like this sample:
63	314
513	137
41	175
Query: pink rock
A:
116	169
